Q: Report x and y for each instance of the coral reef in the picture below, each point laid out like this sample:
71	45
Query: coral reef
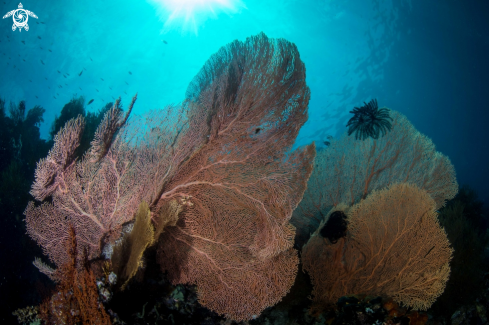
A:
394	247
95	195
234	241
27	315
76	298
128	253
221	164
348	170
463	220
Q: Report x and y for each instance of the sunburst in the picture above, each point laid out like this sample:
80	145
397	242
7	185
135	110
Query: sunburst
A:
189	15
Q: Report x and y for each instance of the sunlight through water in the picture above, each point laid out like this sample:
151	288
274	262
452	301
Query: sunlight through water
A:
189	15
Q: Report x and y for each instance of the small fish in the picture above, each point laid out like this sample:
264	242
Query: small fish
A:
84	69
42	62
90	59
130	72
37	97
18	69
67	74
45	78
30	80
80	73
125	92
50	51
66	84
58	71
59	86
126	83
110	88
41	47
36	21
96	89
15	66
23	42
23	60
42	22
49	87
80	88
64	76
165	42
102	79
38	36
57	94
90	101
54	97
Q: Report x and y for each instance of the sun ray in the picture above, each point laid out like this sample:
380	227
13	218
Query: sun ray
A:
189	15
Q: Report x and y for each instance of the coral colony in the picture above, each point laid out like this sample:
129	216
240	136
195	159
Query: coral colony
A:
213	186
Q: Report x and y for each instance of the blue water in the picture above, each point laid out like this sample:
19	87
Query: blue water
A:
425	59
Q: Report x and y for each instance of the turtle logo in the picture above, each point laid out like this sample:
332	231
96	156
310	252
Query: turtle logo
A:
20	17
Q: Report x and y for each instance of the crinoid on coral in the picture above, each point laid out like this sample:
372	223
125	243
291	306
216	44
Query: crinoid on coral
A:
369	121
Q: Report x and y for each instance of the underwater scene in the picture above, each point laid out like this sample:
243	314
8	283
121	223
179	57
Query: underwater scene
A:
314	162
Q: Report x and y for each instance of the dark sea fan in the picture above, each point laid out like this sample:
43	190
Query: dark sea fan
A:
369	121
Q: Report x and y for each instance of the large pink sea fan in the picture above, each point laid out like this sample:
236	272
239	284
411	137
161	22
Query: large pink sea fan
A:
238	191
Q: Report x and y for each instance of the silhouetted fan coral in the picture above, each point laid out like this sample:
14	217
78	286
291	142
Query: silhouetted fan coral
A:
369	121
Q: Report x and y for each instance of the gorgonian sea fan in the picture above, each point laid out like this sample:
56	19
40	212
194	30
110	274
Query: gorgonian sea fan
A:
369	121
